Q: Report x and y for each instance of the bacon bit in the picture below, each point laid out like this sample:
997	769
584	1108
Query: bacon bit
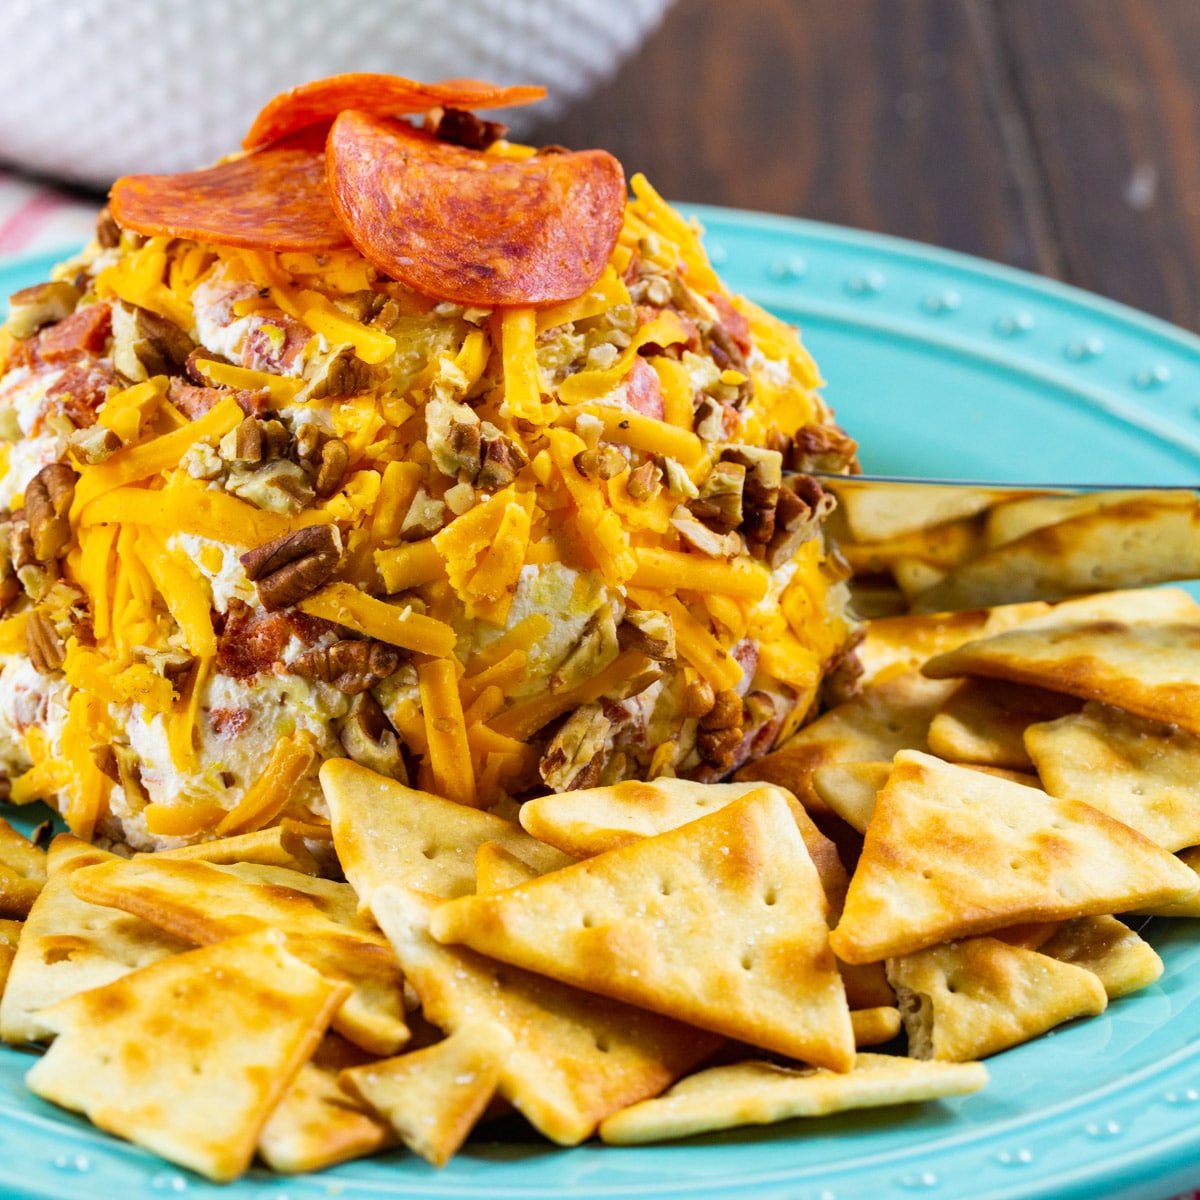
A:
194	402
470	227
251	644
643	392
80	390
263	349
85	331
317	103
229	722
274	199
737	326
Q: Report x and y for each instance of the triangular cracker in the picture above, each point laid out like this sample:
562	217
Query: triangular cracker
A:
206	902
280	845
592	820
385	832
577	1057
433	1097
1141	772
849	789
892	645
10	937
68	946
720	923
187	1057
1121	960
983	722
1146	539
497	869
952	852
761	1093
1146	661
892	715
874	1026
1190	858
316	1124
966	1000
22	872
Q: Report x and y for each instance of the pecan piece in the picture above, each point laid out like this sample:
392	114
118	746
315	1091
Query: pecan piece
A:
95	444
802	506
574	749
146	344
368	738
604	462
351	665
648	631
47	505
719	505
43	644
501	460
760	495
108	232
644	482
466	129
334	459
293	566
721	730
339	372
822	448
424	518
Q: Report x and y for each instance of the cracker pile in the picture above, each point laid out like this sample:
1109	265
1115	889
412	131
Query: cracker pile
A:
943	854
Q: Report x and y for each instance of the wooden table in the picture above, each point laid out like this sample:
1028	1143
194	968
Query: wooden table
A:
1062	136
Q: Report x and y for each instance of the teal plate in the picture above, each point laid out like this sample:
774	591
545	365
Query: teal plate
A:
940	365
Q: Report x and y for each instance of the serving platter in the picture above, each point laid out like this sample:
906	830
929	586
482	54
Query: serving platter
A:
939	364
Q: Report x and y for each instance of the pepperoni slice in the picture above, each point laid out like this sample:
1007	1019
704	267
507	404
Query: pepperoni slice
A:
274	199
319	102
471	227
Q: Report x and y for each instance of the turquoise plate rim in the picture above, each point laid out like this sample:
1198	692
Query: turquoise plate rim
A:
1132	1132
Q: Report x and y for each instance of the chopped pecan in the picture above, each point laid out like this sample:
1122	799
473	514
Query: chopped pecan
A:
594	649
245	443
648	631
721	730
709	422
466	129
698	699
339	372
10	589
42	643
146	344
803	505
95	444
604	462
424	518
645	481
35	578
760	494
280	486
700	537
108	232
501	460
293	566
822	447
350	665
122	765
334	459
47	506
719	504
308	442
41	304
368	738
573	750
454	438
727	354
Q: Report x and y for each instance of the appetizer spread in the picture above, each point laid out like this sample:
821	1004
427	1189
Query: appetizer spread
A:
400	442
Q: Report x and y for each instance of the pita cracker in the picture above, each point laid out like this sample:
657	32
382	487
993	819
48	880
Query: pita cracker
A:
576	1058
69	946
761	1093
281	845
874	1026
871	727
866	985
1152	538
10	937
894	644
316	1124
719	923
593	820
1189	858
1013	519
914	577
1121	960
849	789
1141	772
497	869
207	902
919	882
22	872
386	832
187	1057
1145	666
984	722
965	1000
433	1097
875	511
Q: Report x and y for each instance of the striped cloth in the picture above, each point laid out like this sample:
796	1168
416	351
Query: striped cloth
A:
38	218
